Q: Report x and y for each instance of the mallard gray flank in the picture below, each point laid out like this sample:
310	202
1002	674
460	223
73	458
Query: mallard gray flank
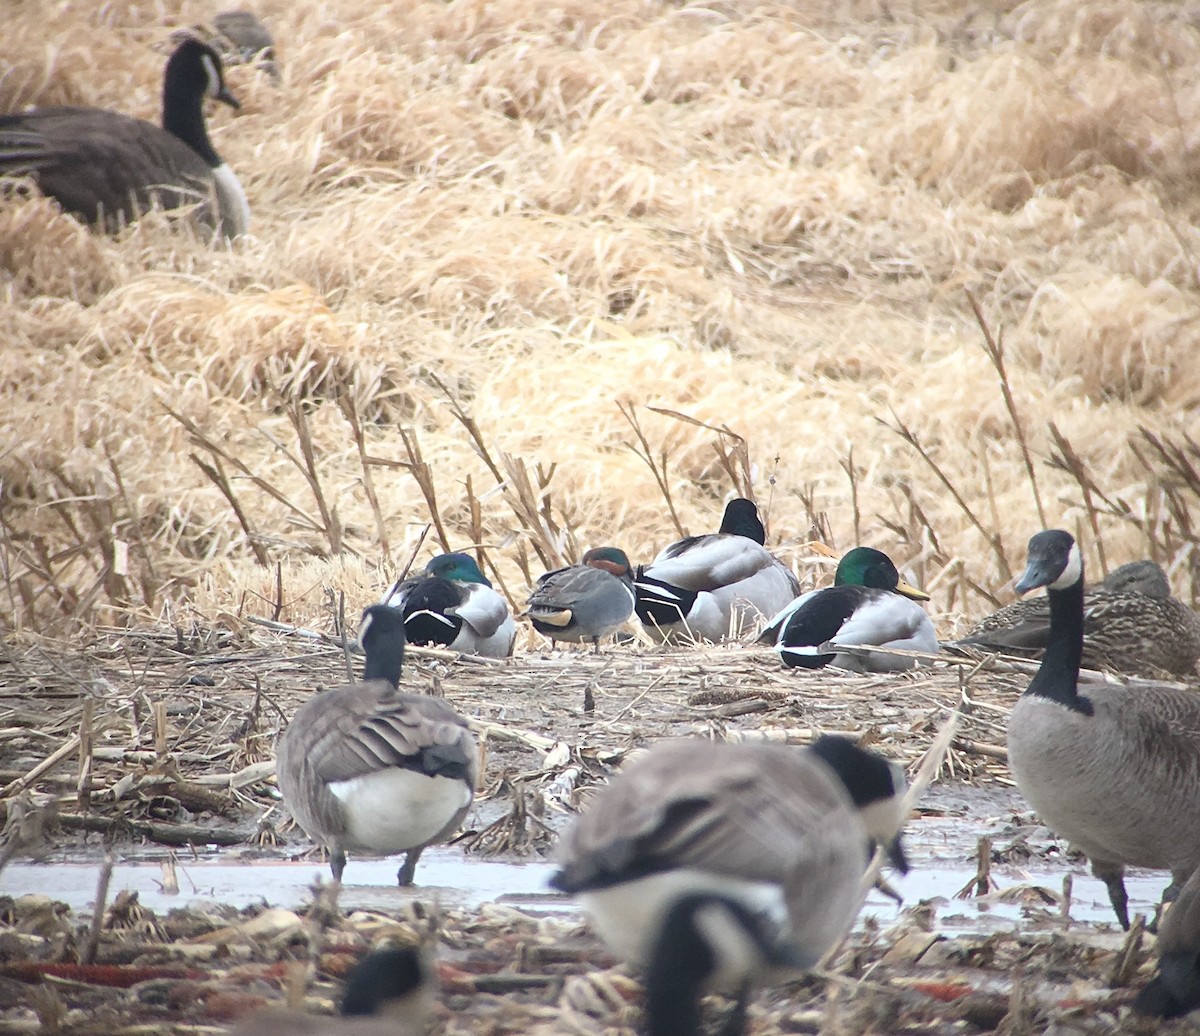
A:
713	865
868	604
367	768
1131	624
108	168
1115	771
715	586
453	605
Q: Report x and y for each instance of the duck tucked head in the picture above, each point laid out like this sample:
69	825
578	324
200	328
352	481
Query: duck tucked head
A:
741	519
1054	562
612	560
876	786
381	636
865	566
459	568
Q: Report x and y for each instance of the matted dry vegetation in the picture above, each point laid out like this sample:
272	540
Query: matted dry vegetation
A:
765	217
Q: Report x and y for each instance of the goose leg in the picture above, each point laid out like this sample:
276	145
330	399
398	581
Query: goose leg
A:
337	864
409	867
735	1021
1178	880
1113	875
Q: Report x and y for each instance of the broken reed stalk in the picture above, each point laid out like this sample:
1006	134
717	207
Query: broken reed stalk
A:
350	412
423	476
160	731
657	468
734	459
818	520
216	474
83	786
339	621
533	510
134	526
851	471
92	946
307	467
993	539
994	348
219	453
1072	462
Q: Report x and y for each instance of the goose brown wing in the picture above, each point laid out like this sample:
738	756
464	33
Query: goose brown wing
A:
381	728
751	814
92	160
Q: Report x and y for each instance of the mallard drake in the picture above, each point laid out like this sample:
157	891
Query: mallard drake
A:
454	605
108	168
585	601
1131	624
717	865
1175	989
387	994
1115	771
367	768
714	586
868	604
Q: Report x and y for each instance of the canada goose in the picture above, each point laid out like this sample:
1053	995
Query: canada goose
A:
1115	771
387	994
1175	989
714	586
868	604
367	768
453	604
714	865
585	601
107	168
1131	624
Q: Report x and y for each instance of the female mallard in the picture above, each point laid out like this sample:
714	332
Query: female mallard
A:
868	604
714	586
1131	624
367	768
1115	771
717	865
454	605
585	601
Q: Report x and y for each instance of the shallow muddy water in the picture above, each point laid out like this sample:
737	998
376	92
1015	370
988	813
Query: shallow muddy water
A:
940	845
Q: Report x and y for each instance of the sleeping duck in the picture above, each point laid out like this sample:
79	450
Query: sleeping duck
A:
585	601
453	605
1131	624
715	586
868	604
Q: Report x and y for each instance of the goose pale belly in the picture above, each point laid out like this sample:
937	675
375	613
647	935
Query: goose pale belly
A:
1107	792
397	809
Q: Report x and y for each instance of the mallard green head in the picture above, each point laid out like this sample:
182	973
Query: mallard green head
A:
865	566
741	519
460	568
609	559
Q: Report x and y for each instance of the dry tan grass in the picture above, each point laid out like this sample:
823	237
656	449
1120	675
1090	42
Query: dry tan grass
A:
760	216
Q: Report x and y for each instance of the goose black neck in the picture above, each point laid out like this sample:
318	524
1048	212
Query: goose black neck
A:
183	116
680	963
385	659
1057	677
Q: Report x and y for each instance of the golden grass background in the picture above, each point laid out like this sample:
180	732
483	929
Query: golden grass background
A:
765	216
